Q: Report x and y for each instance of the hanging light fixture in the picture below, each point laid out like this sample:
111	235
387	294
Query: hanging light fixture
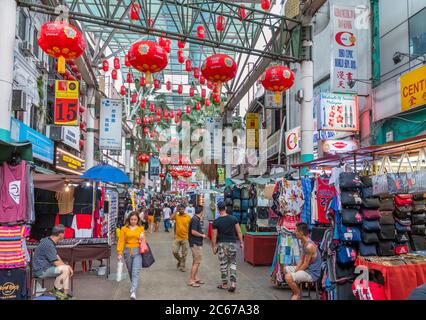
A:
242	12
138	121
196	73
202	80
220	23
266	4
135	10
157	84
201	32
180	88
123	90
134	98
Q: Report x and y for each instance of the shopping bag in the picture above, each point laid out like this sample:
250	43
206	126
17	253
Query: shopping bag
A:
147	258
380	180
119	270
143	247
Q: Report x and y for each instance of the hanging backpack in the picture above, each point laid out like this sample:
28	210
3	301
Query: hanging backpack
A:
351	217
386	217
245	195
367	250
237	204
370	237
371	226
418	219
236	193
228	192
345	254
385	248
349	234
349	180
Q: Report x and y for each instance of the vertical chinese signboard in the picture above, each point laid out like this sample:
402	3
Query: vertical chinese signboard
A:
252	126
66	103
344	64
110	125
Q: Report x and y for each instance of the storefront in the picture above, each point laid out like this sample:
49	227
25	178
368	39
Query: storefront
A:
68	162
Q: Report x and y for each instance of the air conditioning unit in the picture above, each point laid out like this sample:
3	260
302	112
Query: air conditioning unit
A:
19	100
27	48
54	132
43	66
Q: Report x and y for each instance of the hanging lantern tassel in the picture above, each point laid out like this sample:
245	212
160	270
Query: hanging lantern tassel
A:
148	77
61	65
278	97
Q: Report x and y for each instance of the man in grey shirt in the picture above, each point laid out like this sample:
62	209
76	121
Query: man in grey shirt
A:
47	263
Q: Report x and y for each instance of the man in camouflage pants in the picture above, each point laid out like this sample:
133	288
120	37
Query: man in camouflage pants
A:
226	230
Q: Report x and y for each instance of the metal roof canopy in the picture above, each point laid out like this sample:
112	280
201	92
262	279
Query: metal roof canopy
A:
392	148
107	24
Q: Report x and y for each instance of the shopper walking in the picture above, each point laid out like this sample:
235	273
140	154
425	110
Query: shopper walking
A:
128	249
167	212
47	263
180	245
190	209
157	216
195	237
150	216
309	268
226	230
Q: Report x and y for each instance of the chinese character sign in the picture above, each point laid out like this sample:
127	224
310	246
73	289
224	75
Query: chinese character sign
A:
110	125
339	112
344	64
66	103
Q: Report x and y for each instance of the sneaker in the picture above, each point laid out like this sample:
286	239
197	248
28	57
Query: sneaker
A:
133	296
59	293
70	297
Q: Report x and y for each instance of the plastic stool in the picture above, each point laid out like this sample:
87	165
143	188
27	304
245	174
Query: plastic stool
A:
309	285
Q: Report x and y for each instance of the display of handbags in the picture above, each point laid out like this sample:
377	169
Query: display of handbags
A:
418	243
387	204
367	181
371	203
367	192
369	237
418	230
350	198
385	248
349	180
371	214
417	218
371	225
397	183
351	217
387	232
345	254
403	225
367	250
386	217
402	212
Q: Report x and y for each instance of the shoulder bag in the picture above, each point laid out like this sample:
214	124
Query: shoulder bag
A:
402	212
387	232
402	238
367	192
371	203
419	208
386	248
401	249
237	204
245	195
371	226
345	254
403	225
369	237
403	200
351	217
367	250
387	204
349	234
380	181
418	219
228	192
386	217
371	214
419	197
349	180
350	198
419	243
229	201
418	230
147	258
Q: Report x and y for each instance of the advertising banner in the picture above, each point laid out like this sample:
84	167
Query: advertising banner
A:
252	125
344	64
66	103
68	162
413	89
110	125
339	146
293	141
154	167
338	112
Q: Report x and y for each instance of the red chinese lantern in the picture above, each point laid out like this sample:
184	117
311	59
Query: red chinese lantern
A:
151	119
201	32
150	23
123	90
207	102
145	121
216	98
220	23
242	12
198	106
105	65
181	44
81	144
162	175
151	107
172	114
159	112
181	57
143	104
180	89
266	4
162	42
114	74
196	73
145	131
147	57
188	65
129	78
126	61
166	114
157	84
158	118
168	46
219	68
202	80
179	112
168	85
134	98
116	63
188	109
61	40
203	93
135	10
82	125
176	119
191	92
138	121
82	109
278	79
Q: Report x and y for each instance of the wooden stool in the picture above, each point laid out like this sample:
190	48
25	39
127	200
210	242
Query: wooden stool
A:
309	286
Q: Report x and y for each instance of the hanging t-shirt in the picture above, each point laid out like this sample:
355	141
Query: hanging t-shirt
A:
13	192
334	180
83	199
45	202
12	254
12	284
291	198
65	201
30	196
314	203
325	193
82	225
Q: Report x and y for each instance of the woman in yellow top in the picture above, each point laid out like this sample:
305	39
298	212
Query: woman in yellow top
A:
128	247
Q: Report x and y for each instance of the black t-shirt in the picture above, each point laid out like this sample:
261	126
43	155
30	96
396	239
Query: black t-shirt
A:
226	228
195	224
157	212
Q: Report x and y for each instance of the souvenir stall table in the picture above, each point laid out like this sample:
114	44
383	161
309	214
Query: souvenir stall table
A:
378	220
259	248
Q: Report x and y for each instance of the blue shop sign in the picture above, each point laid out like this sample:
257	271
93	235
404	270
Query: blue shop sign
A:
43	147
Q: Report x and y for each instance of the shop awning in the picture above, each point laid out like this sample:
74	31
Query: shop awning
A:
367	153
54	182
43	170
7	149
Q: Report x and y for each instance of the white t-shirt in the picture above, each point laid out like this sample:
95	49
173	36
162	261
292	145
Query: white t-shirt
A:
190	211
167	212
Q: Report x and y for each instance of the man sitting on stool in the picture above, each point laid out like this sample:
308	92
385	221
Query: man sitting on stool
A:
47	263
309	267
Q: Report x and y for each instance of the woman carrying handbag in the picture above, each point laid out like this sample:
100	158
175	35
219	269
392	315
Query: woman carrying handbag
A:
130	244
